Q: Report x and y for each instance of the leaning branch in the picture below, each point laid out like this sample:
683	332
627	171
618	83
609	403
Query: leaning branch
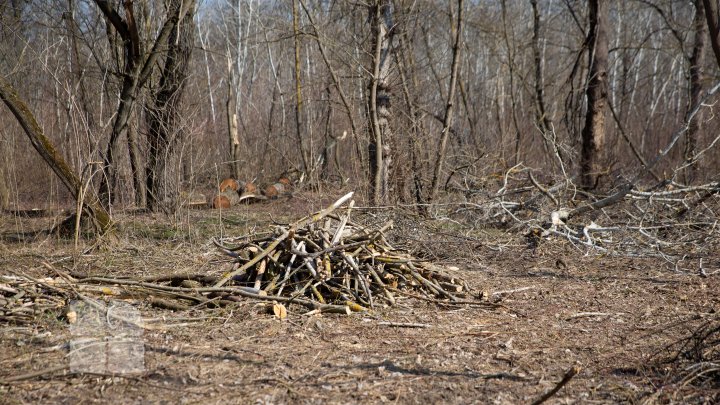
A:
47	151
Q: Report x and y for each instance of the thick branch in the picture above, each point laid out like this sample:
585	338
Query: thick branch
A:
48	152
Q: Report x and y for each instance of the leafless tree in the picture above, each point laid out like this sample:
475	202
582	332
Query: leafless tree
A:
696	78
165	126
449	108
379	101
593	134
138	64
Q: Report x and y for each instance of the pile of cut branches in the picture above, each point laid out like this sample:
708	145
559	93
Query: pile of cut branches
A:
323	262
330	260
22	300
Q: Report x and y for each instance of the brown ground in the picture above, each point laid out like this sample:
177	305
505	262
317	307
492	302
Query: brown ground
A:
619	319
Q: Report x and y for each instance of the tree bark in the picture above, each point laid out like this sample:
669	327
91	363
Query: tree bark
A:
593	134
379	148
712	17
696	62
127	29
407	67
542	119
100	218
298	89
232	119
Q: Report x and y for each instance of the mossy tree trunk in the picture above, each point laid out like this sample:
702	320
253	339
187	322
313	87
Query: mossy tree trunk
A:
100	218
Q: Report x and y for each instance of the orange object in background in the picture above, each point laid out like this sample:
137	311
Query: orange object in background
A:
250	188
274	191
220	201
229	183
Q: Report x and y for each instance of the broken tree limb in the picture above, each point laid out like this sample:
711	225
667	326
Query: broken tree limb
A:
566	378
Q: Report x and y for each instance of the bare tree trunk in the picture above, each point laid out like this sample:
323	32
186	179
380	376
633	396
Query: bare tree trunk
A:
333	75
696	62
127	29
298	89
4	184
449	109
163	115
407	64
77	67
511	77
100	218
136	167
379	148
136	72
541	116
593	134
232	120
233	132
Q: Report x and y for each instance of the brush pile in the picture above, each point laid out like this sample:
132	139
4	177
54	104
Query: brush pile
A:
22	300
323	262
327	259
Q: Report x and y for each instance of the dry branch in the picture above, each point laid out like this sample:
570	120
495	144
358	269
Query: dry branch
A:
566	378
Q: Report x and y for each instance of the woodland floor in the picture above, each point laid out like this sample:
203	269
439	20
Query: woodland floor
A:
619	319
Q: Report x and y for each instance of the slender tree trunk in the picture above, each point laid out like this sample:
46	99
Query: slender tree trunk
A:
233	132
77	67
127	29
298	89
408	67
136	167
379	147
593	134
696	62
510	47
541	116
333	75
449	109
4	184
232	120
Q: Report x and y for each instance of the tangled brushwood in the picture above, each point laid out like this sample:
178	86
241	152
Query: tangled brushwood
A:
22	300
330	260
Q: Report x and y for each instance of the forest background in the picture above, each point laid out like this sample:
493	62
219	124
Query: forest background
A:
403	101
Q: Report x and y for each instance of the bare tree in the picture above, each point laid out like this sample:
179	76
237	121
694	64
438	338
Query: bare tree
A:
696	62
542	120
593	134
298	88
138	66
449	107
379	148
163	115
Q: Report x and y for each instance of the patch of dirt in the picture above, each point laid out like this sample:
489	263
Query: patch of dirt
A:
619	319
